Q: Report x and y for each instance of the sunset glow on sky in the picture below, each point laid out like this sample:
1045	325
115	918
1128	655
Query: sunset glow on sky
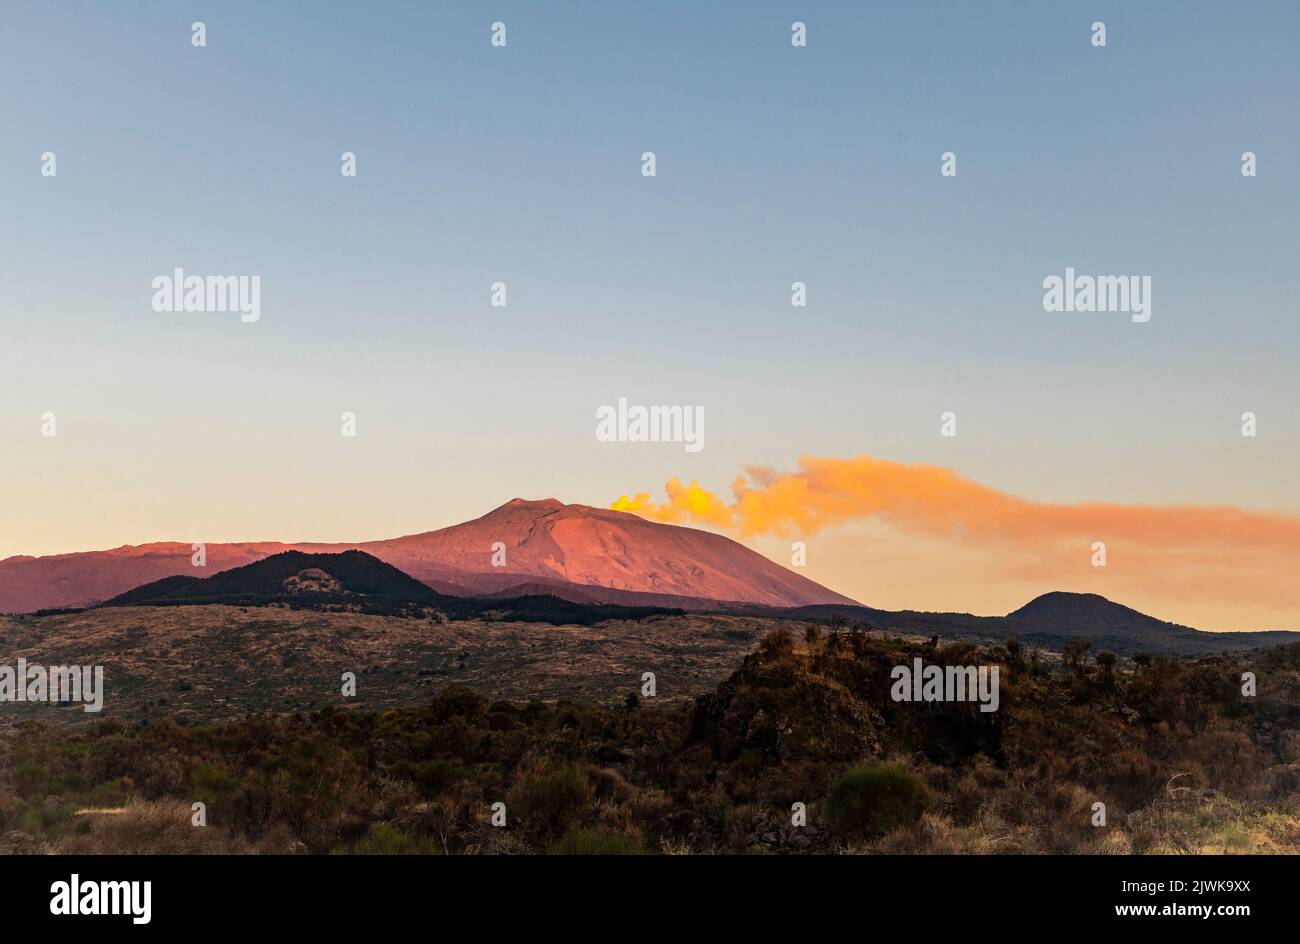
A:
775	165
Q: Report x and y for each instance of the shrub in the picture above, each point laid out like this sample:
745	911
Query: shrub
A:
30	779
548	801
1107	662
435	776
777	642
388	840
591	842
212	780
457	701
1076	655
872	799
156	827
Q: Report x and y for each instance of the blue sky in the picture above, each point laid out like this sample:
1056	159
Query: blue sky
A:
522	164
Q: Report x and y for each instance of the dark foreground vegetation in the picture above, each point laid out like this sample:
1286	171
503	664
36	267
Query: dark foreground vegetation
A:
1180	758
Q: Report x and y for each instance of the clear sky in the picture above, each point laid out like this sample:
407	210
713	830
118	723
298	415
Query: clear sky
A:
523	165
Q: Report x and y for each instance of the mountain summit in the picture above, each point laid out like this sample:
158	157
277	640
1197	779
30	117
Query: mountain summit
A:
575	552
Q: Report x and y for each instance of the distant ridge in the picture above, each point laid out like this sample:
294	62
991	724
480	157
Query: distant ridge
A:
1051	620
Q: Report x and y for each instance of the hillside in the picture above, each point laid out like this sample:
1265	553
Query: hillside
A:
353	581
596	554
291	574
1182	763
211	663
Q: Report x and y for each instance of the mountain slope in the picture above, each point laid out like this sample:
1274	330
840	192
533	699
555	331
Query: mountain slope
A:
589	553
592	548
354	581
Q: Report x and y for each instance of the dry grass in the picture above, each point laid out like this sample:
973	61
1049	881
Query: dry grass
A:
1182	763
217	663
144	827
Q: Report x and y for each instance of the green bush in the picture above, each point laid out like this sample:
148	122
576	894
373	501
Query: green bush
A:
457	701
388	840
435	776
432	777
30	779
591	842
547	802
870	800
212	780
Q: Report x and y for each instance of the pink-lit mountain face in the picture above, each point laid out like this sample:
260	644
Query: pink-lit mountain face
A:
573	551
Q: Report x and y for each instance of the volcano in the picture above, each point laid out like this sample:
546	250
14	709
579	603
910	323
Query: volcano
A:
574	552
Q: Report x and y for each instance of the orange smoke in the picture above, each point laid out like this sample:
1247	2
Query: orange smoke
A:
1201	549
